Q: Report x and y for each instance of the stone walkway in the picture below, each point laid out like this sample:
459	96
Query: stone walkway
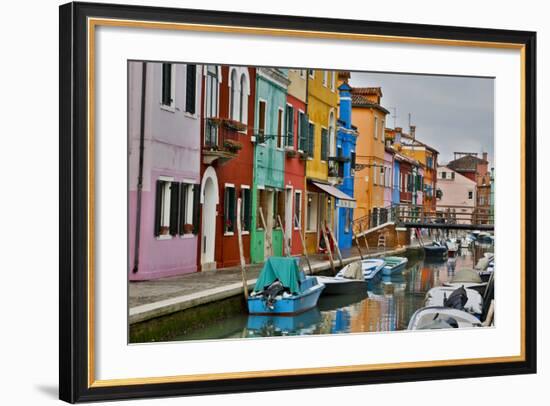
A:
149	299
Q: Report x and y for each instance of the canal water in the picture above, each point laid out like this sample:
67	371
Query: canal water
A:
388	305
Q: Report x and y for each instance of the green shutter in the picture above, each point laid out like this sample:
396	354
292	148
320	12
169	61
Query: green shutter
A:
174	207
196	208
311	139
324	144
158	202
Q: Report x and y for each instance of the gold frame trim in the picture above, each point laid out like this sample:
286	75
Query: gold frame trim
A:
94	22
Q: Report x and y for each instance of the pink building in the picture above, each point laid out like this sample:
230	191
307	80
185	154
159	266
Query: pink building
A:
164	169
388	176
455	190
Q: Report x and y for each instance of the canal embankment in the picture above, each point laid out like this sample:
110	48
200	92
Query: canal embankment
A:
195	299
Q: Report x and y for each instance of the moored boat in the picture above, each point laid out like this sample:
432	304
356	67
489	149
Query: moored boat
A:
436	250
460	298
371	269
440	317
283	289
452	248
394	265
349	280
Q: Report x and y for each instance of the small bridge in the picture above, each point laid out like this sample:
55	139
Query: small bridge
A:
417	216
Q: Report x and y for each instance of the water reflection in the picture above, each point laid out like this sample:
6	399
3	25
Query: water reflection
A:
388	307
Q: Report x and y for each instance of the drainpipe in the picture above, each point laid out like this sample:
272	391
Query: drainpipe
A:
140	171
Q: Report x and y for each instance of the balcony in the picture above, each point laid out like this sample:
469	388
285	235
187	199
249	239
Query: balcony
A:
221	140
336	169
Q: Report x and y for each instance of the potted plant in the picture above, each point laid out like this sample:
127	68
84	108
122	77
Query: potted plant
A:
290	152
234	124
188	229
232	145
164	230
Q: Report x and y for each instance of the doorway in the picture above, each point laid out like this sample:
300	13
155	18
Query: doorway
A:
209	200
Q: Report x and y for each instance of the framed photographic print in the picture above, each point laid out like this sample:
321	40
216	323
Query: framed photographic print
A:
255	202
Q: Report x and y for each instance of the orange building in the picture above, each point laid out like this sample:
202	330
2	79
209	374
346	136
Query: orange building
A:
369	117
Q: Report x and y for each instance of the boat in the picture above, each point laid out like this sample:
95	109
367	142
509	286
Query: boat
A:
283	289
440	317
394	265
371	269
484	238
436	250
486	266
349	281
461	298
452	248
469	279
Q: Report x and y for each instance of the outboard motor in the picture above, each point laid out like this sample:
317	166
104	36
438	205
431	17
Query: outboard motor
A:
457	299
271	292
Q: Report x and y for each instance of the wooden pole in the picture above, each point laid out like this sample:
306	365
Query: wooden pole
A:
287	246
267	241
335	242
365	238
328	249
241	254
302	238
358	245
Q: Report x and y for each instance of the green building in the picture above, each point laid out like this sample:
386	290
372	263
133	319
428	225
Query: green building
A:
268	194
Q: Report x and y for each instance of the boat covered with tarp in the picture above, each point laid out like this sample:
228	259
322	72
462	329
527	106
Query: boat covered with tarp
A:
282	288
348	281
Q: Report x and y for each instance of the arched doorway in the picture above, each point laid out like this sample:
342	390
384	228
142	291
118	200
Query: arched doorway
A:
209	200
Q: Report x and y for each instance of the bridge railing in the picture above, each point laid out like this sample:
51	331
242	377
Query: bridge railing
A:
406	213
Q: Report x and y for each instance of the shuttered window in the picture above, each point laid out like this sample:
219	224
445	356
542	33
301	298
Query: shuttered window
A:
352	164
324	144
175	206
289	126
246	209
303	128
229	207
191	89
311	140
297	210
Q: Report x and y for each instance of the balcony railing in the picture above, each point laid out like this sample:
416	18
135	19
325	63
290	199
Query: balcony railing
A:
222	138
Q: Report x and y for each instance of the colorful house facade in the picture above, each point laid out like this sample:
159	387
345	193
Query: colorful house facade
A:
227	163
456	190
322	108
369	117
164	121
295	165
268	191
344	165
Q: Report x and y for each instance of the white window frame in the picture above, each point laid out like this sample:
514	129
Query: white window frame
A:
225	186
171	107
333	81
325	78
299	129
375	127
311	73
281	137
197	92
315	196
260	100
165	206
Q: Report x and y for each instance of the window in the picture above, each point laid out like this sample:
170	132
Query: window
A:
279	208
229	209
443	175
382	132
246	207
347	223
234	98
312	211
212	81
352	164
302	73
297	210
303	126
190	88
324	144
325	78
333	81
375	128
374	177
311	73
168	79
331	134
429	162
261	121
311	139
280	133
382	171
470	195
176	208
289	126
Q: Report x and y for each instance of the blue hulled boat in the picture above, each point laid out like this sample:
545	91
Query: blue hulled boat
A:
283	289
394	265
371	269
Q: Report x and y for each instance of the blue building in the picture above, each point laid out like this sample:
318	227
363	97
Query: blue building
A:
346	139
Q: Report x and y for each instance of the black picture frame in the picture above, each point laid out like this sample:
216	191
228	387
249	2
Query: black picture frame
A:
74	200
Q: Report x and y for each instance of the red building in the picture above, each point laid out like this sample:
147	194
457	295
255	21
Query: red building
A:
227	154
295	169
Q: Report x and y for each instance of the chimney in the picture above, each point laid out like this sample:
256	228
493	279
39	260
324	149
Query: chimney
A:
398	130
413	131
485	156
345	104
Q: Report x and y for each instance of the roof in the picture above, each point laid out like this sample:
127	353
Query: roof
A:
466	163
446	168
415	142
361	100
377	91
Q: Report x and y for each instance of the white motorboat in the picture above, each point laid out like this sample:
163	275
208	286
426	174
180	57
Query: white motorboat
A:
439	317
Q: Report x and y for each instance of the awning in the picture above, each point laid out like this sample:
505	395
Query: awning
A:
347	201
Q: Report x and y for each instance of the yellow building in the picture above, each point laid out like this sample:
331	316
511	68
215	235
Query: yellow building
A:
370	119
322	109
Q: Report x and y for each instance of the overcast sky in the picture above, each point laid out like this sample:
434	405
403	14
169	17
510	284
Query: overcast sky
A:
450	113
